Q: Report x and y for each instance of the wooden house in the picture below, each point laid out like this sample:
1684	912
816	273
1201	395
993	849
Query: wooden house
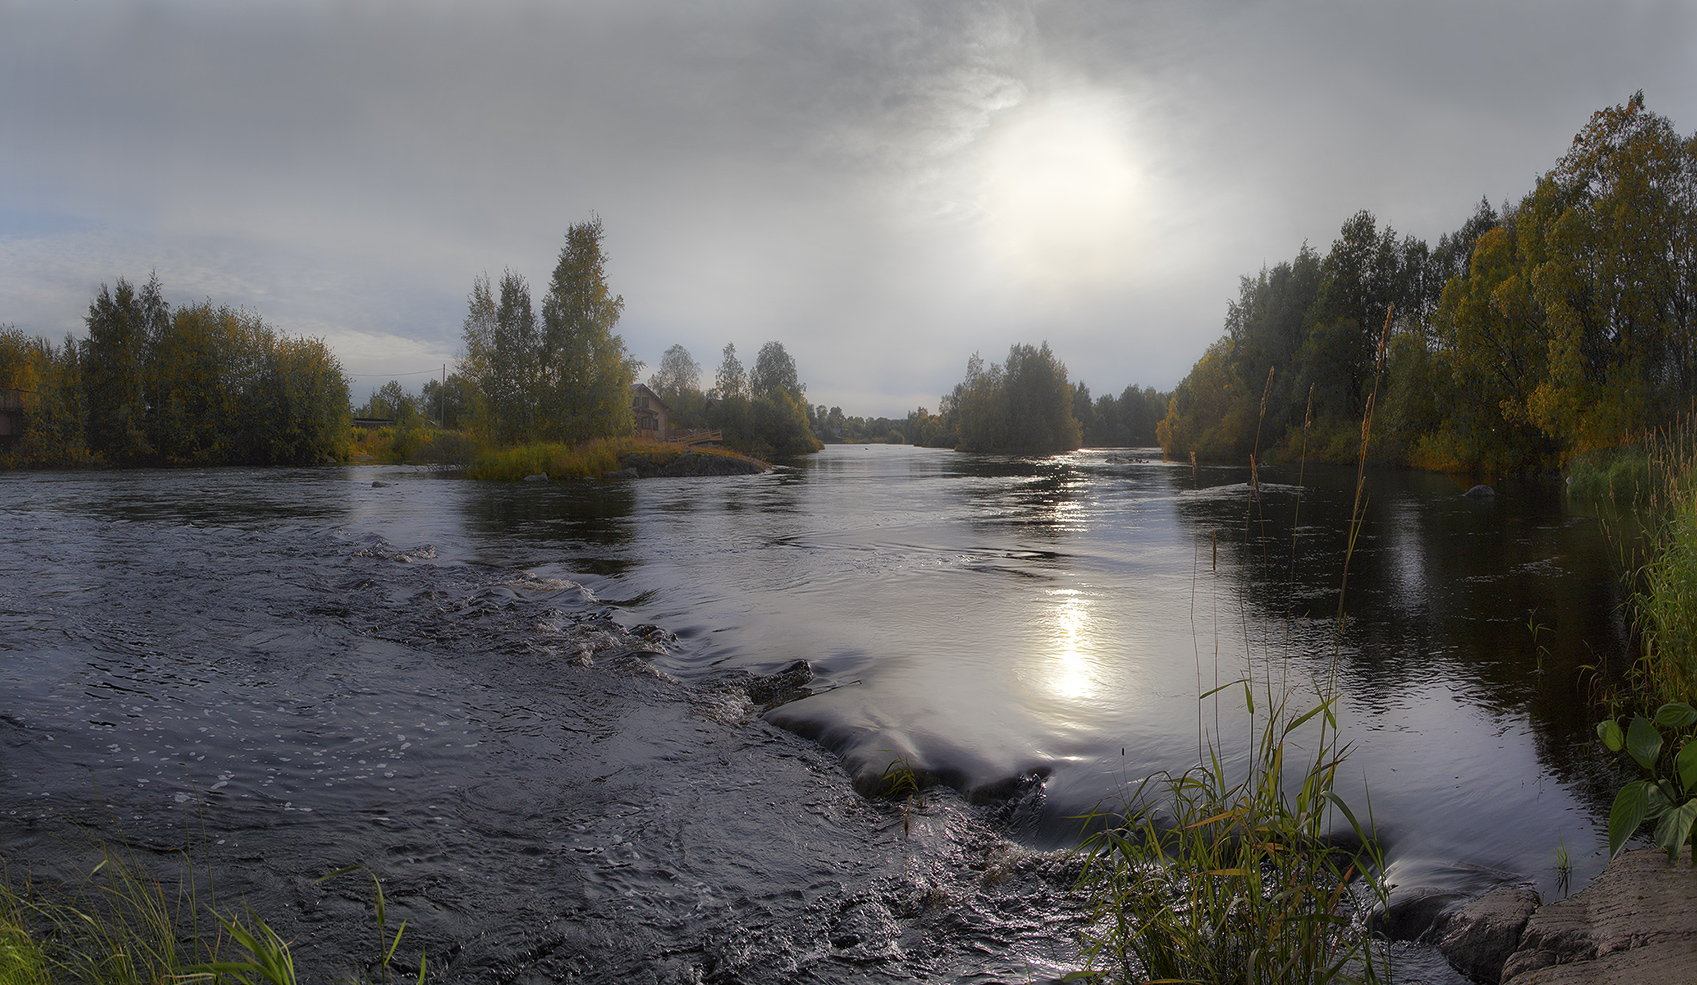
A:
650	413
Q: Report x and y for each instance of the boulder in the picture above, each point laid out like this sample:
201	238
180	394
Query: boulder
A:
620	476
538	477
380	484
782	687
1478	936
1636	923
1409	912
1480	491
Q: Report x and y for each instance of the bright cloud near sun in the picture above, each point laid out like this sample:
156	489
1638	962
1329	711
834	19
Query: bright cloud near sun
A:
1061	191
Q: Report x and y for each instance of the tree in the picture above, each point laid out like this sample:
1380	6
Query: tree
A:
513	396
584	372
194	383
567	379
774	371
1023	406
451	402
730	382
679	374
121	326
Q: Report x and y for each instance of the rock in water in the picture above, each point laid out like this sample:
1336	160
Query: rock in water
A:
538	477
1479	936
380	484
1480	491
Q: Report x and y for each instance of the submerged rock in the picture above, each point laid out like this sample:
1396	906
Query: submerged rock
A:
1478	937
1411	913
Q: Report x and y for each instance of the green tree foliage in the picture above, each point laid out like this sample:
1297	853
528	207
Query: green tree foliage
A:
930	430
216	385
730	381
122	324
566	378
1564	322
774	372
1124	421
449	401
1023	406
584	371
679	375
510	384
49	380
678	382
765	413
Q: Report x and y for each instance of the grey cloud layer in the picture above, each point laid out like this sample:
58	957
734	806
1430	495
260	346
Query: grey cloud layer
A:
766	170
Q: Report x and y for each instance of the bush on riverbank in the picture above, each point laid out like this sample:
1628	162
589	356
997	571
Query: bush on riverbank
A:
588	460
415	446
1612	475
1646	493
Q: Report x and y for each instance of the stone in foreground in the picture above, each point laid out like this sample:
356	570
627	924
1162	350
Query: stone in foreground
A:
1636	923
1479	936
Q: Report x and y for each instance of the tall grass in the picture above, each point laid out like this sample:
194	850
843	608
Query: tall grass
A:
1203	877
123	924
1212	881
1647	492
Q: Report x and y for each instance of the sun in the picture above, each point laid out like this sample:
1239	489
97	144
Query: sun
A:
1061	191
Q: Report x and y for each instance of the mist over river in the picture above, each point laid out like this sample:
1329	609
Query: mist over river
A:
536	710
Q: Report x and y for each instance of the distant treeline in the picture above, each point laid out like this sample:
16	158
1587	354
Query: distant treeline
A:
1026	406
1564	322
202	385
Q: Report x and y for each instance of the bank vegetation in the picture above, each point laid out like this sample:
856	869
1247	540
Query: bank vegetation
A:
203	384
1532	332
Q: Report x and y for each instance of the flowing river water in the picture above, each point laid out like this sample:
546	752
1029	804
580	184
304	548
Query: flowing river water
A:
542	713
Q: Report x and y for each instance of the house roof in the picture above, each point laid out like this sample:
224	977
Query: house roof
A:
642	388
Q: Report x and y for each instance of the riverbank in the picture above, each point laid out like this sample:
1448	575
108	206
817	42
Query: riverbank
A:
1636	923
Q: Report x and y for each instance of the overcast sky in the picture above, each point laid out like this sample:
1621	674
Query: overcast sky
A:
884	187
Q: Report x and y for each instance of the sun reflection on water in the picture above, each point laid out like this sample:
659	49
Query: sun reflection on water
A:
1076	654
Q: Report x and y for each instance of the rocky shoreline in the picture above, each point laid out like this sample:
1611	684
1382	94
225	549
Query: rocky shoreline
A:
690	463
1636	923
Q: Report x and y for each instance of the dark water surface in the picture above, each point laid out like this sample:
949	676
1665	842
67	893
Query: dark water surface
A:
318	672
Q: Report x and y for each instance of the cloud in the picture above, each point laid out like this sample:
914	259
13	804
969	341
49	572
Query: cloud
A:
819	174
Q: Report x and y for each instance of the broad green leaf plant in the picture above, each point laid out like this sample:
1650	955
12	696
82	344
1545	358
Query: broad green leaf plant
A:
1663	747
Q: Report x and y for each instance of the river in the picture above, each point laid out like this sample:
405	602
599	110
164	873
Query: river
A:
524	706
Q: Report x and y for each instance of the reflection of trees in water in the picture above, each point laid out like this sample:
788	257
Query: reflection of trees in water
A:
1440	588
596	516
1031	494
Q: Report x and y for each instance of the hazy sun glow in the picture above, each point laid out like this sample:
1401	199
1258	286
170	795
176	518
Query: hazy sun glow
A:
1062	191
